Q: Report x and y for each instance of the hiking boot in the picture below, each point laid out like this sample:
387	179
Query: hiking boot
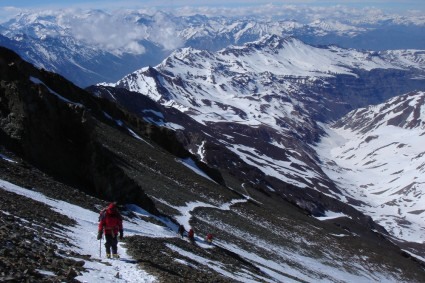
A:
108	255
115	255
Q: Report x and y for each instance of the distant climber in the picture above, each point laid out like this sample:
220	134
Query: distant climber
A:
181	230
191	235
110	224
209	238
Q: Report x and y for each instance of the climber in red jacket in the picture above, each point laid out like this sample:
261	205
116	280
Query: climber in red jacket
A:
191	235
110	223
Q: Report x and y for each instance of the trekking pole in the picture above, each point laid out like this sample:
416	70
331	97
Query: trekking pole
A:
100	247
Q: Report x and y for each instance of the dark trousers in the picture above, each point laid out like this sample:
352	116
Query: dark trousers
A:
111	243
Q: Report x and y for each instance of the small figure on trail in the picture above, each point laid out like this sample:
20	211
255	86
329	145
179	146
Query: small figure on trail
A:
110	223
209	238
191	235
181	230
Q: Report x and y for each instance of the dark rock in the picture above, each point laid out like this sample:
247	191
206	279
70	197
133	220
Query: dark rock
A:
71	274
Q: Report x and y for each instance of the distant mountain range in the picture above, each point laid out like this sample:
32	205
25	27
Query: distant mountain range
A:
79	44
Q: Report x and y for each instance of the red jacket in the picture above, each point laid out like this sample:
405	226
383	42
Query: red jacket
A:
209	237
190	235
111	222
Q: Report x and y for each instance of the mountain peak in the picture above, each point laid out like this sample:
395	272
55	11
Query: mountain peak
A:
273	41
405	111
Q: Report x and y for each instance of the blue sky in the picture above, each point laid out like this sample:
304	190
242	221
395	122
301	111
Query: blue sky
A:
115	4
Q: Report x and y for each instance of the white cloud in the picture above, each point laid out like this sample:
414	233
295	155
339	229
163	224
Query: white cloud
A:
117	32
108	31
8	12
308	13
164	32
120	33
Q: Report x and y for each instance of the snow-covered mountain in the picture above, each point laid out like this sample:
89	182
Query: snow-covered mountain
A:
94	46
269	68
376	155
275	83
66	153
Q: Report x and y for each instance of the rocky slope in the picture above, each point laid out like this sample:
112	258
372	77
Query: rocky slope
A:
29	248
60	140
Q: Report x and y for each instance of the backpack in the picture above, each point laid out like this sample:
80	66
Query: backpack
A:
102	214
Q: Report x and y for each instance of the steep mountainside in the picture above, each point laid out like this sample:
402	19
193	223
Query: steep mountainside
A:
94	46
59	140
376	156
263	101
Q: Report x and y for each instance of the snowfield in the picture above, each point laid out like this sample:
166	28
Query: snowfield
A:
382	165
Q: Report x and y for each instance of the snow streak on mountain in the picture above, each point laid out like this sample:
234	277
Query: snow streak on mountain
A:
376	155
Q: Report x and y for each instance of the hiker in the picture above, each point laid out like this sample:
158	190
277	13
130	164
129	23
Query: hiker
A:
209	238
110	223
181	230
191	235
